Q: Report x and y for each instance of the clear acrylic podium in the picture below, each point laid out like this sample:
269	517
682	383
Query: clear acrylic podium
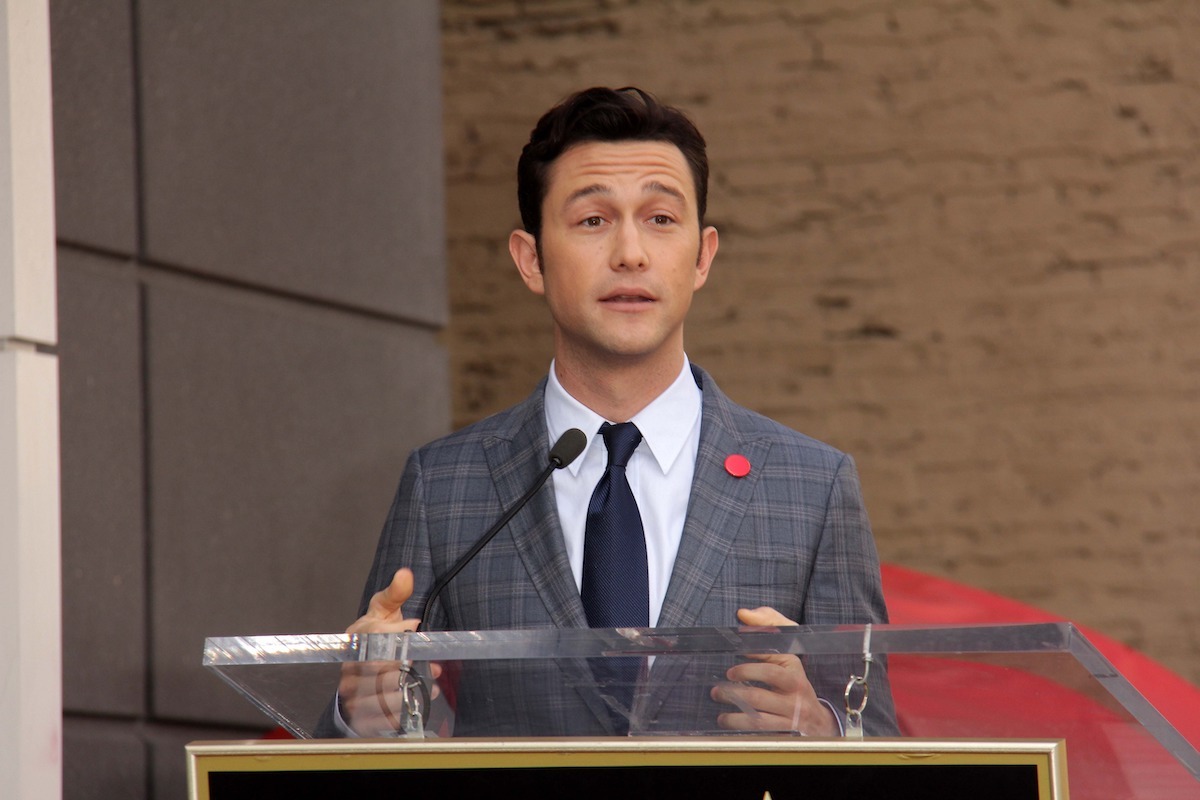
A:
991	682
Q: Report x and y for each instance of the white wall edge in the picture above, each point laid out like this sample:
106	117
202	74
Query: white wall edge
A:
26	174
30	584
30	559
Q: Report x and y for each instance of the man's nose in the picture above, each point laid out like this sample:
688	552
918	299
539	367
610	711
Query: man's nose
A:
629	251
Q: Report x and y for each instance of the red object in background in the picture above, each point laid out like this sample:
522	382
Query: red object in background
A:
914	598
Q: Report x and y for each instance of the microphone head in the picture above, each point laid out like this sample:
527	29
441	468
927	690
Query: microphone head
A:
568	447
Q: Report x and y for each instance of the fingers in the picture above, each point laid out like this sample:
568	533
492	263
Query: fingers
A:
754	700
761	709
369	695
773	685
762	617
384	612
370	698
386	603
782	685
780	671
361	679
772	693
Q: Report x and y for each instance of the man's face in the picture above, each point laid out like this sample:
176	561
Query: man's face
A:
621	253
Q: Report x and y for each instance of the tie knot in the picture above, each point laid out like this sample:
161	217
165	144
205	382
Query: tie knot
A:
621	440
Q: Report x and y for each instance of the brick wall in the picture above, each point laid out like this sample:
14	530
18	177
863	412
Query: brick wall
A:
958	239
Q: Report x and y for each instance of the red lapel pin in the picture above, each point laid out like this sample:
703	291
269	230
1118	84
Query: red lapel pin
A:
737	465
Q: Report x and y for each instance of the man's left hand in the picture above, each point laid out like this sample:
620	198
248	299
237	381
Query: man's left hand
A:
773	692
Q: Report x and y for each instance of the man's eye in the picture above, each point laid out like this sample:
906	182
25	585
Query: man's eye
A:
661	219
593	222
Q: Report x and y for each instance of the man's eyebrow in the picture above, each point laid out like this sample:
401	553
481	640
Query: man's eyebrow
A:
586	191
654	187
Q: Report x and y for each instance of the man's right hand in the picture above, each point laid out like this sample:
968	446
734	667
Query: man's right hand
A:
369	697
384	613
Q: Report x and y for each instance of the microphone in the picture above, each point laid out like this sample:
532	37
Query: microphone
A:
565	450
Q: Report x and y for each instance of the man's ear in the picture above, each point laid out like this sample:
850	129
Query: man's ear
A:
523	248
708	251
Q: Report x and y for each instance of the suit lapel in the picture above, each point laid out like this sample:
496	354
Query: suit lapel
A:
515	457
715	509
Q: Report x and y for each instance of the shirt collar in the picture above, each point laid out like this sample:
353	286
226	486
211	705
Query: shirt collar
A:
666	423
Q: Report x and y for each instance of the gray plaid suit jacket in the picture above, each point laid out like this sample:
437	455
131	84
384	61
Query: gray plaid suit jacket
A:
793	534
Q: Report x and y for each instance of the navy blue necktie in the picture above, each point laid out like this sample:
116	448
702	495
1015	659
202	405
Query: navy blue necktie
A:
615	587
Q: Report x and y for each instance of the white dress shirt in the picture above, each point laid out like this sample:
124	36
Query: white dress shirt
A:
660	472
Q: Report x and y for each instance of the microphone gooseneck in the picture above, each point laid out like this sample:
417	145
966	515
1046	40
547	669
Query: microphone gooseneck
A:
565	450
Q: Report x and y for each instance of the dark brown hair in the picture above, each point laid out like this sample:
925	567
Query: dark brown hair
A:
604	115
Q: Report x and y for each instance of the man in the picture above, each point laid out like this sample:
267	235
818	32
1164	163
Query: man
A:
742	520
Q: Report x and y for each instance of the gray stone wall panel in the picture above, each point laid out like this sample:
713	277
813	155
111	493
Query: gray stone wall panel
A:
103	760
94	148
167	745
103	536
297	146
277	435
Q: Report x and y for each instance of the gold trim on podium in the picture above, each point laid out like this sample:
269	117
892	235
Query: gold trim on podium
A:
205	758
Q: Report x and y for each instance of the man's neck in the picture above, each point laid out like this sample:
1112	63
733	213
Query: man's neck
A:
617	391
